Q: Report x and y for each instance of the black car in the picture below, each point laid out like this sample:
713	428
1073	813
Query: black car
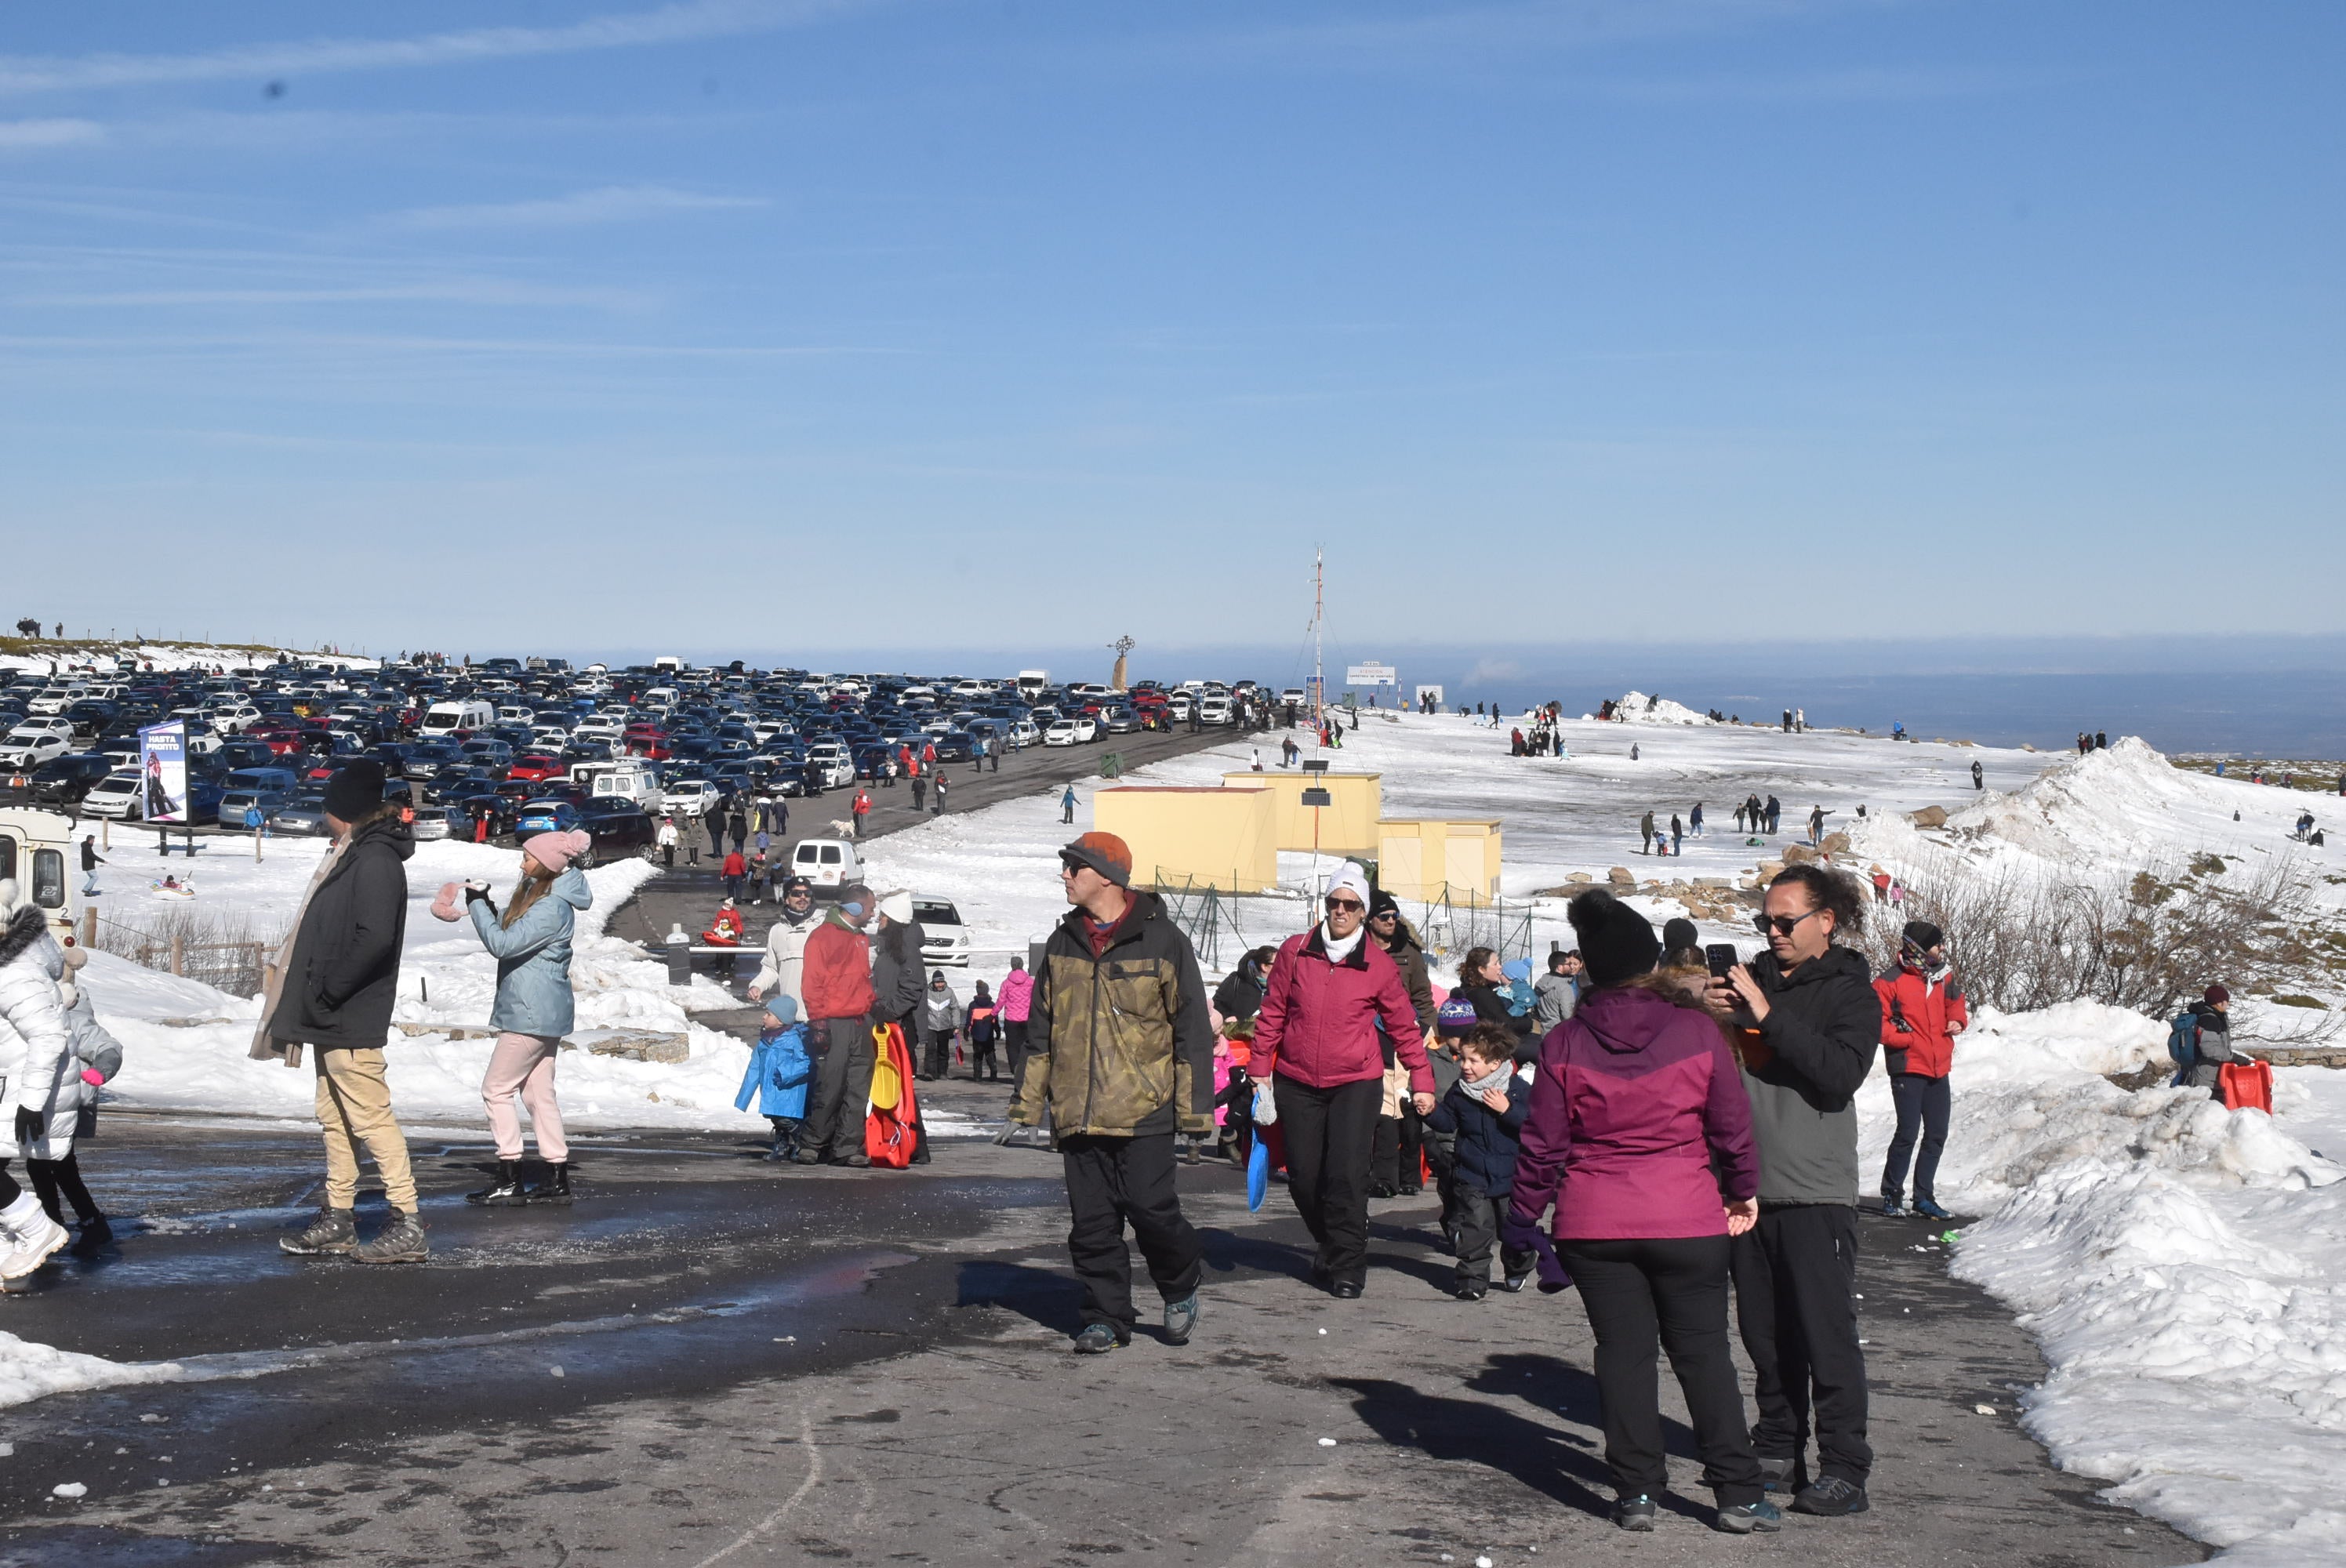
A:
618	829
954	746
62	780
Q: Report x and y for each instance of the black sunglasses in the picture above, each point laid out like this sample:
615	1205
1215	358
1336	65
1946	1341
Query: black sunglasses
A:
1346	904
1783	924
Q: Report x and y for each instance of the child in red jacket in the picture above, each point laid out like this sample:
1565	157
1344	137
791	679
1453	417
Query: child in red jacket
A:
1922	1013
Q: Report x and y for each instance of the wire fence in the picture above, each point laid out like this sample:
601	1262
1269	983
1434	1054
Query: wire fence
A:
1221	926
227	952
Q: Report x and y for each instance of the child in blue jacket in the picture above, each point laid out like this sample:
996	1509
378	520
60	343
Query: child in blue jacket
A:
1484	1109
779	1071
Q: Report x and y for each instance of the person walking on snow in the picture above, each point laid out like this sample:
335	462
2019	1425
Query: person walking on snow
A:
1068	805
1646	832
1678	833
1015	999
1922	1013
1775	814
90	861
1817	816
861	810
534	1009
35	1058
1979	778
940	1021
93	1058
1694	820
332	989
1120	1053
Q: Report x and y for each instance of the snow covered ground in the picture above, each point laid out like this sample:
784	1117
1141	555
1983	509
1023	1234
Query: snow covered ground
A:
2183	1267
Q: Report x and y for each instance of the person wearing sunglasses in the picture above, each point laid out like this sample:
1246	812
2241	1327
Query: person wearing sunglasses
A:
1317	1043
1808	1021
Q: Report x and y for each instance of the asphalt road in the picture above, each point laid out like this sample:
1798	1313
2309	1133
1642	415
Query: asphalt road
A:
713	1359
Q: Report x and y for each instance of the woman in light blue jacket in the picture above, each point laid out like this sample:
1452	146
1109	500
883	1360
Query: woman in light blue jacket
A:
531	942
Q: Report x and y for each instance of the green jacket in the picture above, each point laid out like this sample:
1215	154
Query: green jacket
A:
1120	1046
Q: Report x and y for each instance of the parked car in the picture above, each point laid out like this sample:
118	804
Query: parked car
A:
120	796
689	798
435	823
547	816
534	766
943	938
827	862
25	748
617	827
304	814
61	781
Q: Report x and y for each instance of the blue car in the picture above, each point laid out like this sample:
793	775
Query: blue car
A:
546	817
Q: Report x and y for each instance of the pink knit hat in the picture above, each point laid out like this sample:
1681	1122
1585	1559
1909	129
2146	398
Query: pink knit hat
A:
555	852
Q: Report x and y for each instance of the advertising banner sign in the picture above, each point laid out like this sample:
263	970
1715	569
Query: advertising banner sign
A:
163	767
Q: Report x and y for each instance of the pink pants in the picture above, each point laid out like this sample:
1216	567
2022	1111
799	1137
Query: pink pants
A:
523	1064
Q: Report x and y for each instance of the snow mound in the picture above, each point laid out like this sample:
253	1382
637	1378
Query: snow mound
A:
2182	1266
1636	708
29	1371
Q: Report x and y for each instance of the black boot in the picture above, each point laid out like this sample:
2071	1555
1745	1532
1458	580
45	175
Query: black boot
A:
504	1192
556	1187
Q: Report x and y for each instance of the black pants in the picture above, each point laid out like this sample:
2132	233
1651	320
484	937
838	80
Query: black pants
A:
1329	1135
1394	1165
1796	1301
1923	1105
9	1191
1473	1219
980	1060
937	1051
52	1178
1014	1043
1674	1291
1112	1182
842	1082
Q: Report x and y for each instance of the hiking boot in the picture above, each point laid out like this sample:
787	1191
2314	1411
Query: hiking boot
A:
1180	1319
504	1192
1831	1497
1929	1209
807	1156
1097	1339
857	1162
1892	1209
333	1231
1784	1474
1746	1518
554	1188
1188	1151
28	1240
1634	1512
400	1241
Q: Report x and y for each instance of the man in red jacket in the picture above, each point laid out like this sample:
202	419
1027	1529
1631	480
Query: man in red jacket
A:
835	984
1922	1013
1317	1042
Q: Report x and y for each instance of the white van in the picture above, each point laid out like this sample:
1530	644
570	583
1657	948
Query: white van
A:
827	862
1032	683
620	782
444	719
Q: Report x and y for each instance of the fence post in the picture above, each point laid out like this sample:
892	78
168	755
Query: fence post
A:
179	954
89	926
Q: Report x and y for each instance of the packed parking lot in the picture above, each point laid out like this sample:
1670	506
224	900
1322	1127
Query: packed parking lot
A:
517	746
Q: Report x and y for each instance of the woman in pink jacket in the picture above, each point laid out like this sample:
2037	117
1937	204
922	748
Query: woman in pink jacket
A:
1014	1001
1316	1041
1640	1135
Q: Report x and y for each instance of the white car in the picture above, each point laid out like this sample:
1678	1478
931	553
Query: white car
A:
689	798
119	796
943	938
1214	710
26	750
1023	733
827	862
1293	693
1086	726
1062	732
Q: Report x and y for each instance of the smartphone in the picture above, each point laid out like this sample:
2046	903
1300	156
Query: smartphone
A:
1723	957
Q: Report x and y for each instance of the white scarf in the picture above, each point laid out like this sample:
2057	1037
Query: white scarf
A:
1338	952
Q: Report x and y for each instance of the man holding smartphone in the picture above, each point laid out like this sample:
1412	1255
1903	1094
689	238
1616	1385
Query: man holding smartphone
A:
1811	1021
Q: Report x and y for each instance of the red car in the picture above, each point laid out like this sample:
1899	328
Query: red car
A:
534	766
646	740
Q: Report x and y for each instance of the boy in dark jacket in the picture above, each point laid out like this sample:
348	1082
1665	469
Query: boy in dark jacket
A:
1485	1111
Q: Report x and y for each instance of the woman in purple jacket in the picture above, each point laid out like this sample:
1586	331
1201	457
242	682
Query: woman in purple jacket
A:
1634	1097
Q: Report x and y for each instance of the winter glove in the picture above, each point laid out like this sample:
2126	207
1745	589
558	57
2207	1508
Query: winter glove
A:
92	1076
31	1125
1266	1108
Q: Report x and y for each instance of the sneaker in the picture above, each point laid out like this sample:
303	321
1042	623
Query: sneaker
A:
400	1241
1892	1209
1181	1320
1784	1474
1097	1339
1635	1513
1762	1517
1930	1208
30	1243
1831	1497
1514	1284
333	1231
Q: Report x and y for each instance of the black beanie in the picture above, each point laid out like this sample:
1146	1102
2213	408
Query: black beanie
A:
356	790
1680	933
1924	935
1616	942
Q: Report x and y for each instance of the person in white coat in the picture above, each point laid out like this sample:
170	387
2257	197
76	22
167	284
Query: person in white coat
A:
778	973
94	1057
33	1051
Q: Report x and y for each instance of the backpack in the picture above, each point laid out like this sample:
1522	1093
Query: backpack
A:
2183	1042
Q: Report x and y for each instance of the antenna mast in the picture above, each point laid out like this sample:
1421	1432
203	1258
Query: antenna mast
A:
1319	679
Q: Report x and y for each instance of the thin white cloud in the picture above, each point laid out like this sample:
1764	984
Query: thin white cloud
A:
453	291
24	136
605	204
694	19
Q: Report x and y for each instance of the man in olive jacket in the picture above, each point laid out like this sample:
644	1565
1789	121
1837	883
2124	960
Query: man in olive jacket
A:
1120	1051
1811	1022
335	985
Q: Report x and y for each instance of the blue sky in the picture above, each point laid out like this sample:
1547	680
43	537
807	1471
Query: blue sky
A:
961	325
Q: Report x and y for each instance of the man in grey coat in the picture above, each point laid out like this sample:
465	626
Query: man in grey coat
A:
1558	990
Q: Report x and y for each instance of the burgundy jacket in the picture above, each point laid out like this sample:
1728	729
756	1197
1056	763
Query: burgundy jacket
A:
1632	1100
1318	1020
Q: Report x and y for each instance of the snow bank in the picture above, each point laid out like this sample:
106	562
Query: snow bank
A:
128	658
2182	1266
28	1371
1636	708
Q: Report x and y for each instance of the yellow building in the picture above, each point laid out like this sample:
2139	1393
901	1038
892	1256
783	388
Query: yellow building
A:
1194	836
1421	858
1348	826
